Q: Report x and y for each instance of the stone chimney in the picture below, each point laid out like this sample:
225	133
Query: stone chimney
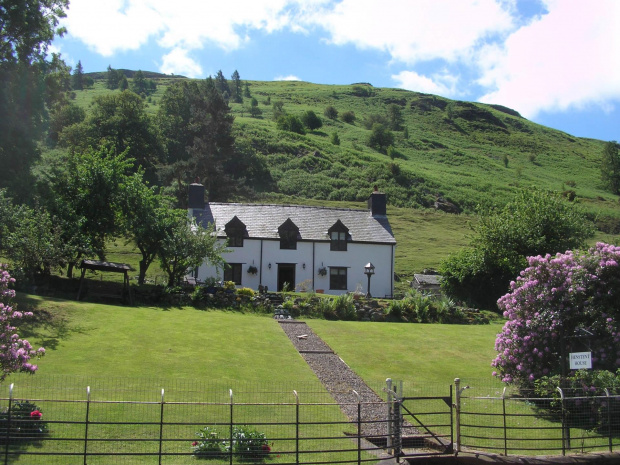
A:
196	197
377	203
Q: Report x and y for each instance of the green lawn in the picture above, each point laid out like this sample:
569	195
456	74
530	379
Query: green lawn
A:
423	354
105	340
133	352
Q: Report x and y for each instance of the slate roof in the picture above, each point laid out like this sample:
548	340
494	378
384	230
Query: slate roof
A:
262	221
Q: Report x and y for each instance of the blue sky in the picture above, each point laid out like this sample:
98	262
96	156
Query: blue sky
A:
557	62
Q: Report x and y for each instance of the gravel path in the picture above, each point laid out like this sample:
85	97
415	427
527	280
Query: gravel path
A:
340	380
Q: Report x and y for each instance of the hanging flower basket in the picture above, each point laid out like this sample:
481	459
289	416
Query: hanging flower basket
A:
322	271
252	269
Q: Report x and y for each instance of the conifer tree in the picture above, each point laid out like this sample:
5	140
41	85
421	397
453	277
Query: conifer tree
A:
236	88
78	77
113	78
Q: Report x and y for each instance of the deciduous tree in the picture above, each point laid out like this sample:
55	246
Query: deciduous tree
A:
147	219
84	192
290	123
311	120
533	223
187	245
34	244
27	28
380	138
331	112
610	167
120	121
395	117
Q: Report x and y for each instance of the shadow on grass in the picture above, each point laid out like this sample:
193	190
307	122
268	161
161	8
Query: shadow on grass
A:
47	327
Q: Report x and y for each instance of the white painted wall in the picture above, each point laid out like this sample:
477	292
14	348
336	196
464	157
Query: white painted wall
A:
313	255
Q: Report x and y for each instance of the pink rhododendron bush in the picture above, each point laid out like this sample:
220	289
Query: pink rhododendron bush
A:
549	303
15	353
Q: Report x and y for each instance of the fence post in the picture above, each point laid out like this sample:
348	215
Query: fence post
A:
565	427
505	426
86	423
390	414
611	446
398	424
359	427
161	425
296	427
8	425
457	413
450	407
231	427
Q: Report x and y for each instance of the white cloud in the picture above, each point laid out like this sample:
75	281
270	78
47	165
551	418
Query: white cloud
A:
415	31
568	58
117	25
178	62
290	77
107	27
440	84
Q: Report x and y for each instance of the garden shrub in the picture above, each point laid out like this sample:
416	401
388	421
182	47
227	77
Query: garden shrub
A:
587	405
553	299
249	444
209	444
343	307
246	291
418	307
25	424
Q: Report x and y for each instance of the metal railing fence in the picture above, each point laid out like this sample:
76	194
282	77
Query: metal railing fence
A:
72	420
511	422
107	424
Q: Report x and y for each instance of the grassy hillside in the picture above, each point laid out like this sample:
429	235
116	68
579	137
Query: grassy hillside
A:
467	153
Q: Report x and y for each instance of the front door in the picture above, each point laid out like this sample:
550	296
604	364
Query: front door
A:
286	276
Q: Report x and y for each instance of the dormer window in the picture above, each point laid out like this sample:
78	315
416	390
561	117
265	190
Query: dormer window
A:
289	233
236	231
339	237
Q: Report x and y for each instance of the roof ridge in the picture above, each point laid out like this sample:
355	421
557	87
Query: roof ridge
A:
288	205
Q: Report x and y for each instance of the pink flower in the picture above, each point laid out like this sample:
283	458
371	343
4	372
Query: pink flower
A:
36	415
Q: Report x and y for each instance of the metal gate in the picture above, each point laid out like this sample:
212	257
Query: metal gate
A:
419	425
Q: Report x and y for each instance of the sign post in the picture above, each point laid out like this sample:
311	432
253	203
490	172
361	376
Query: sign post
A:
580	360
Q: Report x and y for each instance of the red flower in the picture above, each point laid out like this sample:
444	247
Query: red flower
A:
36	415
195	443
266	448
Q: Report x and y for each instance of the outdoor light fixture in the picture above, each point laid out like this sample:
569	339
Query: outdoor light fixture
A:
369	270
303	266
269	266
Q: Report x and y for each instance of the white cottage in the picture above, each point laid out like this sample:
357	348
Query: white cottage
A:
324	248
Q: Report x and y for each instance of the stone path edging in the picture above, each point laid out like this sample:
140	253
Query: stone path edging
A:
339	379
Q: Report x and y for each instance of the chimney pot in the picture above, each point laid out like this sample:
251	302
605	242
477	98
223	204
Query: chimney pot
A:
377	203
196	196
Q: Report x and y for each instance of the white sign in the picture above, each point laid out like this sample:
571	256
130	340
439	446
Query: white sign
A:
581	360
